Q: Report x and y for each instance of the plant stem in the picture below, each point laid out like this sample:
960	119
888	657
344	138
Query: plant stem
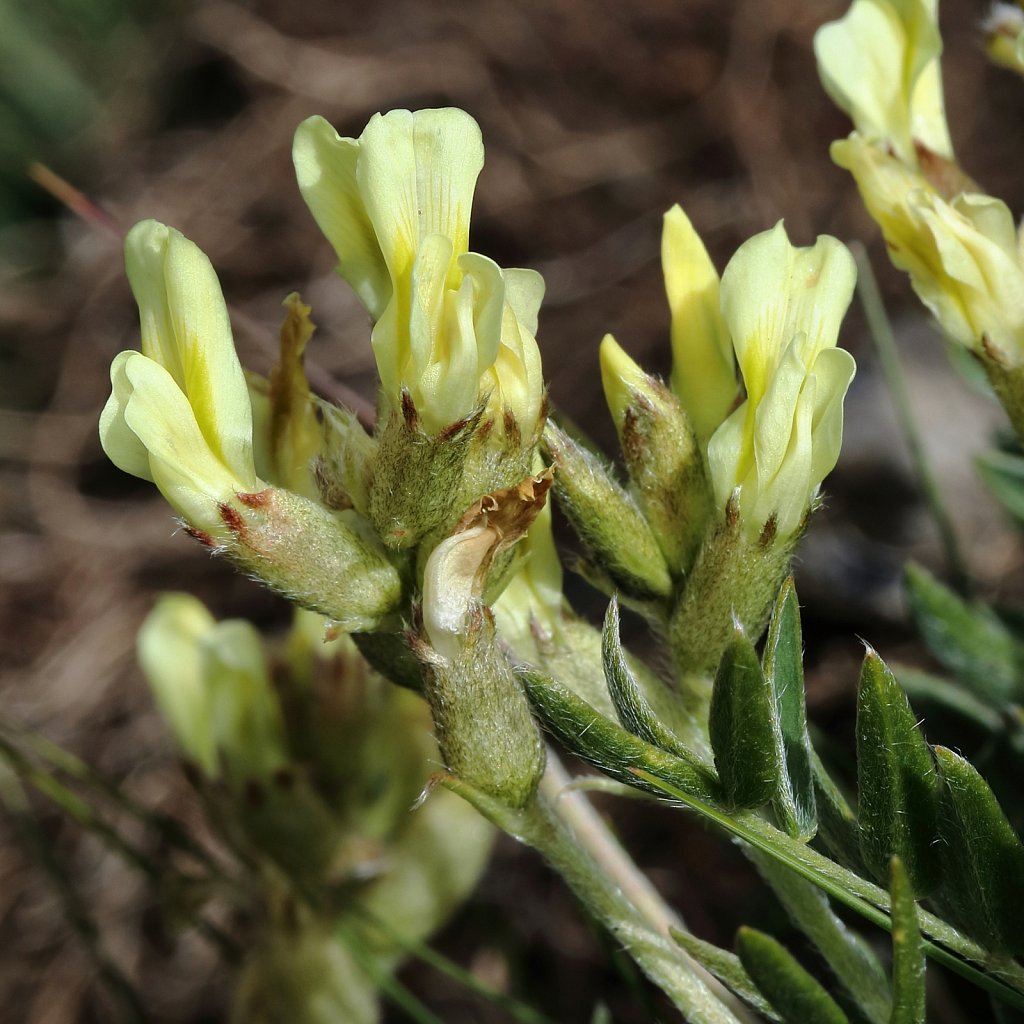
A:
892	371
539	825
596	838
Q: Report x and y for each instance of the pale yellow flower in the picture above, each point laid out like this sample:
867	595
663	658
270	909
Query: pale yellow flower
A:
962	255
212	685
450	326
880	64
179	412
783	307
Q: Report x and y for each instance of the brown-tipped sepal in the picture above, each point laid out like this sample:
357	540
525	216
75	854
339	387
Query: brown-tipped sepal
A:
327	561
417	476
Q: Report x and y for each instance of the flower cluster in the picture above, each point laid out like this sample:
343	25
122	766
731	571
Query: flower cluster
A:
774	315
438	515
880	63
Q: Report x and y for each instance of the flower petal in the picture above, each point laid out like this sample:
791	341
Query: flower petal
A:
417	173
703	368
325	166
188	474
773	420
772	291
244	711
879	63
120	442
185	329
833	371
168	647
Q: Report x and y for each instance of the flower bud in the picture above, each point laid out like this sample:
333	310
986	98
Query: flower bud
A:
617	536
344	467
665	463
703	365
169	652
211	682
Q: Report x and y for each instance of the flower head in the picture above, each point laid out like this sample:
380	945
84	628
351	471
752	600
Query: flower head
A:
451	327
179	411
881	64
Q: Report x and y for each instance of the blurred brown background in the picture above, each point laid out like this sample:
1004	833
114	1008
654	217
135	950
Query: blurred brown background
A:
597	116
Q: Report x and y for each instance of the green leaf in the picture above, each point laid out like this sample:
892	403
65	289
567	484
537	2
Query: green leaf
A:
743	728
859	895
634	711
608	746
794	804
982	857
1003	474
895	780
797	997
908	963
968	639
847	954
838	829
726	967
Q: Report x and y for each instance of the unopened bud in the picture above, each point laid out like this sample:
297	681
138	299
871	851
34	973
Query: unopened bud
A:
666	467
614	530
344	468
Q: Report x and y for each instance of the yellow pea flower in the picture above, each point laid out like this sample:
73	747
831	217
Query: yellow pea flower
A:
450	326
212	685
962	255
179	411
880	64
783	307
180	415
981	303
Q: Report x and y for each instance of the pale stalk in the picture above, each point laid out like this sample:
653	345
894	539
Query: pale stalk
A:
594	868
